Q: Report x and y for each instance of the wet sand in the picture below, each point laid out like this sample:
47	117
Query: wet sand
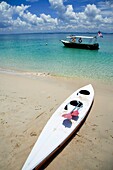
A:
26	104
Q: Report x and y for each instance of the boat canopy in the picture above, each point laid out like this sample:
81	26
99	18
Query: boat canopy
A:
78	36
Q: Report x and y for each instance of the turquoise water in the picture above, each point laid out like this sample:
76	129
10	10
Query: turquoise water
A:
45	53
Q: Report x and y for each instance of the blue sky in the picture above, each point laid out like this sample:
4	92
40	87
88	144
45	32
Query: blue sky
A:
23	16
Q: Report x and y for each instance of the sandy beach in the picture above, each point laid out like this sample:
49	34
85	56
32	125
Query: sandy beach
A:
26	104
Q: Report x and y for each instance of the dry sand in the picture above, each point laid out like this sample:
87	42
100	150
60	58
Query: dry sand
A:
26	105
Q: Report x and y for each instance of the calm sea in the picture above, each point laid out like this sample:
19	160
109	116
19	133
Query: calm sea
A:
44	53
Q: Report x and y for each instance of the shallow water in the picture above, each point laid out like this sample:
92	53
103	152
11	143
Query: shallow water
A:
45	53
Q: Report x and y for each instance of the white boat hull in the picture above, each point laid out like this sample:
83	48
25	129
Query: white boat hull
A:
59	128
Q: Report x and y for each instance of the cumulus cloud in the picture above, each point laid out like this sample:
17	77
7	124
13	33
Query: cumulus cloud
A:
106	8
91	18
19	18
57	5
69	13
91	11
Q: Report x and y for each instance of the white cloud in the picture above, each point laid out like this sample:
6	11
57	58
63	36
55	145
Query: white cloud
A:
19	18
57	5
92	18
8	13
48	19
70	12
91	11
106	8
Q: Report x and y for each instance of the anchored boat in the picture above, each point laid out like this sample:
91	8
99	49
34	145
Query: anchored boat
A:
81	42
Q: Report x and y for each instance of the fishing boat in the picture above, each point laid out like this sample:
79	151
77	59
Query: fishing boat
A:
81	42
59	128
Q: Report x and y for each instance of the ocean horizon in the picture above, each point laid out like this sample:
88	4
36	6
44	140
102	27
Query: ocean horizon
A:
43	53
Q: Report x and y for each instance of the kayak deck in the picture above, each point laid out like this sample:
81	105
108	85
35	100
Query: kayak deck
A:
59	128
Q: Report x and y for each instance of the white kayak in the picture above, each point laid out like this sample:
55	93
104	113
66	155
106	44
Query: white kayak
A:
62	124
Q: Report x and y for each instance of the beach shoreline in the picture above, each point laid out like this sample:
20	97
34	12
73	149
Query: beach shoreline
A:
27	102
36	74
